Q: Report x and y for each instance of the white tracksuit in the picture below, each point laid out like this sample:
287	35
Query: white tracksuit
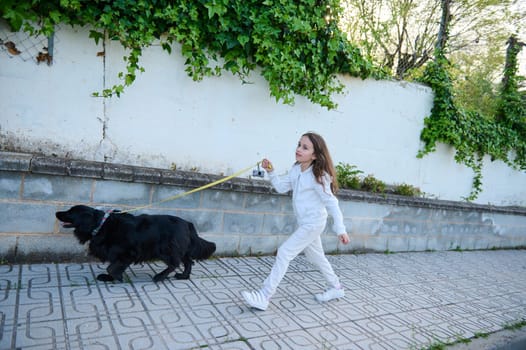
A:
311	201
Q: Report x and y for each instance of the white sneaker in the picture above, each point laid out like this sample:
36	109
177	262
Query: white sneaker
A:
329	294
255	299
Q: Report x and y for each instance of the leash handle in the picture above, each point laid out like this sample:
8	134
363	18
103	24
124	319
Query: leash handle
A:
211	184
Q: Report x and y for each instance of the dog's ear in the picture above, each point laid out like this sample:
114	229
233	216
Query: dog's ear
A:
87	220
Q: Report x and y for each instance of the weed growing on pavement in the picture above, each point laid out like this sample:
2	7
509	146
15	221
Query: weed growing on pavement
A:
13	286
481	335
439	345
442	345
515	326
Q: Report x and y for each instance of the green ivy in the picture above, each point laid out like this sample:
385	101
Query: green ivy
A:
300	51
471	134
297	43
512	104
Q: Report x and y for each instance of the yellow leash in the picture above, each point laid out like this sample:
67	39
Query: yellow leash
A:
191	191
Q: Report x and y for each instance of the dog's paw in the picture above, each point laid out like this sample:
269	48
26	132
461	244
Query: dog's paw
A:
180	276
158	278
105	278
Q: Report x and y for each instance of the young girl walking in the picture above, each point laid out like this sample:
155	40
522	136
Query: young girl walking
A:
312	180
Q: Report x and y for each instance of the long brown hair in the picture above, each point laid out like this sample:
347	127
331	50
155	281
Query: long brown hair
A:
323	162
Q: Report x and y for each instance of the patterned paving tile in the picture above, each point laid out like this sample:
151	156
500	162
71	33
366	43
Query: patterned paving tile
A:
48	334
169	318
217	268
220	290
395	301
378	343
97	343
247	266
291	340
184	337
155	296
235	310
40	312
142	340
6	335
343	337
218	333
231	345
82	330
8	294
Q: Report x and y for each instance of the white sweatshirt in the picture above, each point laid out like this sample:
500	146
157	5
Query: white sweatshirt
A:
310	199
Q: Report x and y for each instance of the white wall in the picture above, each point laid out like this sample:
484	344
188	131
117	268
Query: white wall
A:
220	125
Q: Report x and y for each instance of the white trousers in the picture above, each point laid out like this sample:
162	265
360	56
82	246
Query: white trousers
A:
305	239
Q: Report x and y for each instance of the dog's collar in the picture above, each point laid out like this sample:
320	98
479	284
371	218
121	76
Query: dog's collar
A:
106	215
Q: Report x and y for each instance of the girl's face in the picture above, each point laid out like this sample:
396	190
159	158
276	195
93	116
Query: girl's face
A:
305	152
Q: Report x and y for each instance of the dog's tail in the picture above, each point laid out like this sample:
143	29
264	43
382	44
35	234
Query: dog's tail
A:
200	249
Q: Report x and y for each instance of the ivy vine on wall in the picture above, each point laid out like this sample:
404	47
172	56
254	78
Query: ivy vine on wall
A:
297	43
300	50
471	134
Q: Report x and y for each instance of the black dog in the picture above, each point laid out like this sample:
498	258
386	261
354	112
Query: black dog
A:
124	239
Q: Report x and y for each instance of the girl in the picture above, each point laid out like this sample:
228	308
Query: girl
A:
312	180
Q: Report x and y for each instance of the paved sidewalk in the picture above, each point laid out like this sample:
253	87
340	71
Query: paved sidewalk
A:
394	301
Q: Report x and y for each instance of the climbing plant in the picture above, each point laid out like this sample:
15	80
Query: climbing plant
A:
296	43
471	134
511	111
299	50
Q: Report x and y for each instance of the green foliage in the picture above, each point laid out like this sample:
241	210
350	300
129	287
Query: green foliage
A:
372	184
467	103
381	28
300	50
297	43
512	104
472	135
407	190
474	79
515	326
483	335
349	176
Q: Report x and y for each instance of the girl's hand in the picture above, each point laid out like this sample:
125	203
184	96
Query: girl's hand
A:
267	165
344	238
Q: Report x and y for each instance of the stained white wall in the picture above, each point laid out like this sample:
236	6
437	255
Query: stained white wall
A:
220	125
